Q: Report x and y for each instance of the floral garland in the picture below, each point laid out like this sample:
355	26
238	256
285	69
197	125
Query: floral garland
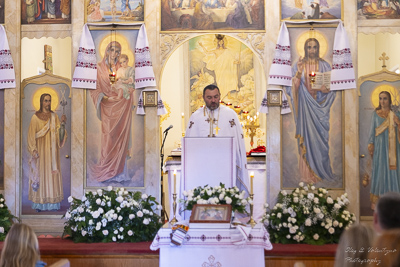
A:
6	219
216	195
308	215
112	215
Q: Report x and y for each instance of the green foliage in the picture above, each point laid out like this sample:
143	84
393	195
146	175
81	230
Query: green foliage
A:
6	219
112	216
216	195
308	215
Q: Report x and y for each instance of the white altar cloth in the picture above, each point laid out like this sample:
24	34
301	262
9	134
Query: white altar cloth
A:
212	246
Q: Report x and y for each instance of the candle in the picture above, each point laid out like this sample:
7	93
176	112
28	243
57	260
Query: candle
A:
251	182
183	123
312	74
175	181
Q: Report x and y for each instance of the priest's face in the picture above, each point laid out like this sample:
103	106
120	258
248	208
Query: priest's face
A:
211	98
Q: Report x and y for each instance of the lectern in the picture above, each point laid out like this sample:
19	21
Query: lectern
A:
205	161
208	161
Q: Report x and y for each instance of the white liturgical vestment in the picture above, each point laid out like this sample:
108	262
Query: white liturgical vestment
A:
225	123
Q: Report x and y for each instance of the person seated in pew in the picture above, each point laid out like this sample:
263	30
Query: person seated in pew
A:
387	212
352	250
21	248
385	249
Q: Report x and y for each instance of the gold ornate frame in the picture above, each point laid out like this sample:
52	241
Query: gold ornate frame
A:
274	98
305	20
150	98
87	6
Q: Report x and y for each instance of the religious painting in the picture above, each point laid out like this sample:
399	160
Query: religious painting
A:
114	133
2	140
45	145
374	9
312	141
2	11
114	11
209	15
228	63
311	9
45	11
207	213
378	137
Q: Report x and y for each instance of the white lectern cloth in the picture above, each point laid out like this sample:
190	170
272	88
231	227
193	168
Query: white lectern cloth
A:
212	246
229	126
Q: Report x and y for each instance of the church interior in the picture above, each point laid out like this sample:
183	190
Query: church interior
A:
181	59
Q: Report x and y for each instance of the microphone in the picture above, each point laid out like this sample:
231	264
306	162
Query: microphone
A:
169	128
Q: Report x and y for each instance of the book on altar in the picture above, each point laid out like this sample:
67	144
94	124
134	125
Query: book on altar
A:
322	78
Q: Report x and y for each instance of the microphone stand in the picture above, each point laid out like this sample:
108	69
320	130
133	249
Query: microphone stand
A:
163	213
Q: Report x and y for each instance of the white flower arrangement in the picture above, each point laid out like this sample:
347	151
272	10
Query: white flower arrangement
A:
216	195
112	215
308	215
6	219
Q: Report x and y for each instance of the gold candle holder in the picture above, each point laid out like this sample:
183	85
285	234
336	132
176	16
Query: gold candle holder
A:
251	127
252	222
312	77
112	77
174	220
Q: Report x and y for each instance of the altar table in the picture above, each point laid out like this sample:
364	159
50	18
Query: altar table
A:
212	247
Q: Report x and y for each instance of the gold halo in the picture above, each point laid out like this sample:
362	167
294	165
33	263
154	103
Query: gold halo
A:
323	44
45	90
385	87
121	39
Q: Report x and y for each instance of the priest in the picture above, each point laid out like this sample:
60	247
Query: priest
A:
216	120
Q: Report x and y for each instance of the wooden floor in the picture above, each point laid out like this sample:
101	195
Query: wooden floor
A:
153	261
308	261
105	260
140	255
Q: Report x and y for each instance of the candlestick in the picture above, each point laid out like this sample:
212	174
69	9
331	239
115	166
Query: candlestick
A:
252	222
251	182
183	124
175	181
174	220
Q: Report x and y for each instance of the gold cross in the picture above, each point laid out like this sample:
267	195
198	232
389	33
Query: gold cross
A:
383	58
217	129
216	126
